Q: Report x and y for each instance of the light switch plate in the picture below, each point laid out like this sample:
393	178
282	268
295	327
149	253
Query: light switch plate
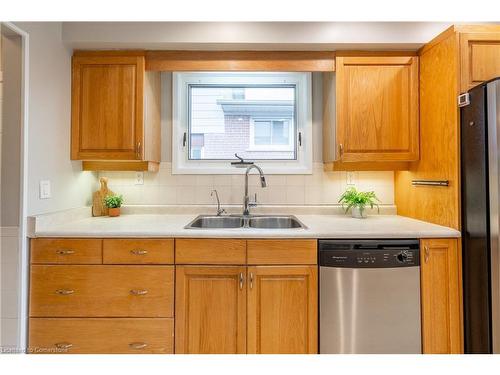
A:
45	189
139	178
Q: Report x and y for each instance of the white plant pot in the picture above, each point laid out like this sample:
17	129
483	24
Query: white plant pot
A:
358	212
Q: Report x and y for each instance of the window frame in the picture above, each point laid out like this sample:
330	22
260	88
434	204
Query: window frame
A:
181	164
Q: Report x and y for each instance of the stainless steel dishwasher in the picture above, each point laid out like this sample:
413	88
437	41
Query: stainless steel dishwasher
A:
369	296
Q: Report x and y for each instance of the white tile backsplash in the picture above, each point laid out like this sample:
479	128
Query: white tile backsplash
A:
319	188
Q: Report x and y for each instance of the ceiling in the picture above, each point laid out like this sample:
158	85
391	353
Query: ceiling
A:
250	35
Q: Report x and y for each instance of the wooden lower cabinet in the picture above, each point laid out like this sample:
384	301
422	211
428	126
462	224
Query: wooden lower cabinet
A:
101	335
263	309
210	310
282	310
441	296
66	251
101	291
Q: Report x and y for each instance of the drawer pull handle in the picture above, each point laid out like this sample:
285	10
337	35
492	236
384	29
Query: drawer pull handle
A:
65	252
138	150
64	345
65	292
139	252
137	345
138	292
242	280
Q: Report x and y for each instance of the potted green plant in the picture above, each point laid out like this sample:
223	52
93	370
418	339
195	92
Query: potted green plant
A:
113	202
357	201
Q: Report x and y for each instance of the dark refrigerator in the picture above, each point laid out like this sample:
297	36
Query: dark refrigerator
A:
480	153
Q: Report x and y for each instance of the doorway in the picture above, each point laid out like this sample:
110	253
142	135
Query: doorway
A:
13	80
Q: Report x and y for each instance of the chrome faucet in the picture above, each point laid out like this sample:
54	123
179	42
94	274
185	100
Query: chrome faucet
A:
220	210
246	200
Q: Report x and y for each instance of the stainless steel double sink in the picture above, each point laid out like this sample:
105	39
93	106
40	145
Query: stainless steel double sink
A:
240	221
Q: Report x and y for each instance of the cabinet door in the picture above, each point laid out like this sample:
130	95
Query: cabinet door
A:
377	108
210	310
441	296
479	58
282	309
107	107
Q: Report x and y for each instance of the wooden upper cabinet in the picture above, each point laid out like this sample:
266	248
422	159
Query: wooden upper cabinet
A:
480	58
282	310
115	109
377	108
210	310
441	296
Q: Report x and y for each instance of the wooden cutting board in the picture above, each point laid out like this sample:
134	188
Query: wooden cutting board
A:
98	206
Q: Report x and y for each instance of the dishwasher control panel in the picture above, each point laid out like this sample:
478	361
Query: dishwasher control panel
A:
369	254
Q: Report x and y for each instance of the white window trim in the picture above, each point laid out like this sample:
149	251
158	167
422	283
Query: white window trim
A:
180	158
276	148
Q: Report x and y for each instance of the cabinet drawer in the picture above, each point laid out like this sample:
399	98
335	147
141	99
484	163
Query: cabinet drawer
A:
101	336
101	291
210	251
282	252
66	251
138	251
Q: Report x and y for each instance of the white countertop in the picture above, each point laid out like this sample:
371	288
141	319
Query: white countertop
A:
172	225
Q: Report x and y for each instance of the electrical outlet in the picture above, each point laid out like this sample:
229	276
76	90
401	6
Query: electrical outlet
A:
139	178
351	179
45	189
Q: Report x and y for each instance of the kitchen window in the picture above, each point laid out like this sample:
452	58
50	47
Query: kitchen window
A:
262	116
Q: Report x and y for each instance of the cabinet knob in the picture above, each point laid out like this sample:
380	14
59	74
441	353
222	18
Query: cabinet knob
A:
341	150
63	345
139	252
138	292
251	280
137	345
427	254
65	292
65	251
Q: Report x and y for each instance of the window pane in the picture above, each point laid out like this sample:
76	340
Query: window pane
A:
255	121
280	133
262	133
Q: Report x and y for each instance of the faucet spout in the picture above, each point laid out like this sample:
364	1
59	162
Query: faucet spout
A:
246	200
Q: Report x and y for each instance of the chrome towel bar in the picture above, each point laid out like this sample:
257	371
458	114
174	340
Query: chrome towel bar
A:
430	183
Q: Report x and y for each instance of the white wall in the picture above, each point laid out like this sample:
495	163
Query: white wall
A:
9	286
10	137
11	129
50	123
